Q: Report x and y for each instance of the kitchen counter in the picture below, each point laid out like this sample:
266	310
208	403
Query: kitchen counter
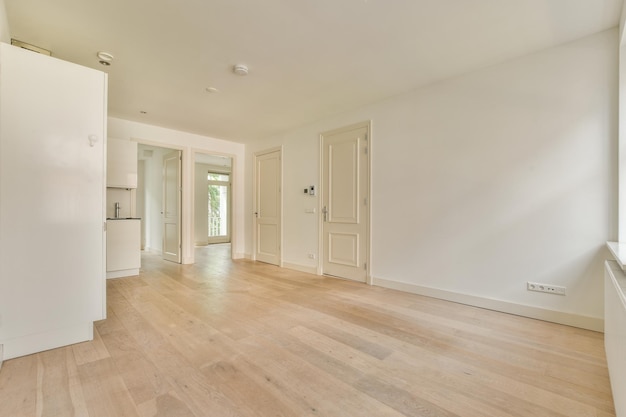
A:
123	247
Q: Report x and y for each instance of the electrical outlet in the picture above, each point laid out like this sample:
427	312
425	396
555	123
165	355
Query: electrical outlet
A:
550	289
311	256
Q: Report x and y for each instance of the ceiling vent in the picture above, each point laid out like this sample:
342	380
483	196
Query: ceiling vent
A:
30	47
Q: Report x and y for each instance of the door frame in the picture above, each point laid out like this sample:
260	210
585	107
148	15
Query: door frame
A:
183	205
254	202
368	221
232	221
234	179
187	209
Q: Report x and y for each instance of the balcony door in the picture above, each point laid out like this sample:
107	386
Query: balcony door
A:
218	207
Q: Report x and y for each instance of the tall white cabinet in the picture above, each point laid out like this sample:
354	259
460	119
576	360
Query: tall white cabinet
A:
52	212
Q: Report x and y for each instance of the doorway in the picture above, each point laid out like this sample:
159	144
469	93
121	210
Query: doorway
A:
218	207
159	200
212	199
345	202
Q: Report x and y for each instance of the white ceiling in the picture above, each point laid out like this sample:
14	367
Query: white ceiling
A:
308	58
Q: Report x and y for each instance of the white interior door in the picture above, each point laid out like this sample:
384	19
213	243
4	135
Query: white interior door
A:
267	208
172	186
345	203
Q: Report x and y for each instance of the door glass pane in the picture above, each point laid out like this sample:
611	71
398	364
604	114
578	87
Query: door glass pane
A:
218	177
218	204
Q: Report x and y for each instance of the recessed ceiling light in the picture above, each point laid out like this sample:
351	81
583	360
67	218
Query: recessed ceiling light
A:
240	69
212	90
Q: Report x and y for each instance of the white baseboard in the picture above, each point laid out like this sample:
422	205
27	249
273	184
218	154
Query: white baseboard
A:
301	268
240	255
122	273
153	251
39	342
569	319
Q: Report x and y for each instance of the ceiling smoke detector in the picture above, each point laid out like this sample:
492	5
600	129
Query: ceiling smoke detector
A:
240	69
105	58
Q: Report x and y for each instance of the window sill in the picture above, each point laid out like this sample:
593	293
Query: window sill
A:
618	250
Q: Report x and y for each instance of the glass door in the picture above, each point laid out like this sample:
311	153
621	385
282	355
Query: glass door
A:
219	207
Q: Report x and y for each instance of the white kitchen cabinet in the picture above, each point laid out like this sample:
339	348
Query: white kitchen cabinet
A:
121	163
123	247
52	212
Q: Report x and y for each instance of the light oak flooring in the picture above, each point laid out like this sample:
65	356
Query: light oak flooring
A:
222	338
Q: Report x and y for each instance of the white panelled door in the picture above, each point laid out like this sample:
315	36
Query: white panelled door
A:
172	186
345	212
267	208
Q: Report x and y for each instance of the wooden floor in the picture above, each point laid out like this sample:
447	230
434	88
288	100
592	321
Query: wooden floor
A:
222	338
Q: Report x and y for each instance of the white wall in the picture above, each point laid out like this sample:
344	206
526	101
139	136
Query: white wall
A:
484	182
153	199
189	143
201	204
5	34
140	199
622	129
122	196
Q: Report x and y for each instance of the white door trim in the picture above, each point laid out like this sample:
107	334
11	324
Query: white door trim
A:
186	236
234	200
234	186
368	221
254	202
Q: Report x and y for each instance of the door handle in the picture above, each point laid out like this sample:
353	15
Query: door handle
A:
256	214
325	212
